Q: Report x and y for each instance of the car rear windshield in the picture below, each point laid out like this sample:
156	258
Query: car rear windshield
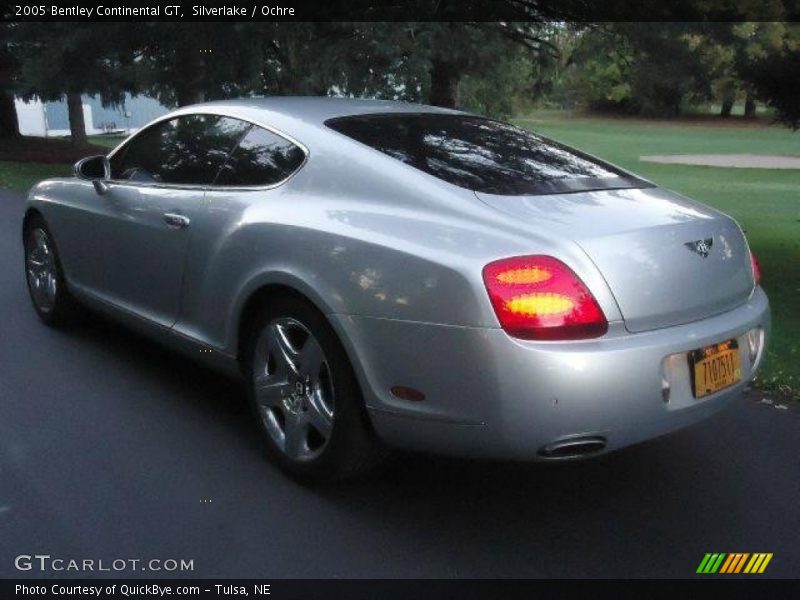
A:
482	154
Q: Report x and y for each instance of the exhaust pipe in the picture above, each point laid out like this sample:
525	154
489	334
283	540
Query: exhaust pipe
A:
573	447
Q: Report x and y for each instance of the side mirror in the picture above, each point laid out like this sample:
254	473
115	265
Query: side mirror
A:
96	169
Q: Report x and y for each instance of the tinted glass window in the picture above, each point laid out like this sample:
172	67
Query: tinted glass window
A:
262	158
185	150
481	154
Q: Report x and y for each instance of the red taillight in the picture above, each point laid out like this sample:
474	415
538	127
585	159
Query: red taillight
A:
540	298
756	268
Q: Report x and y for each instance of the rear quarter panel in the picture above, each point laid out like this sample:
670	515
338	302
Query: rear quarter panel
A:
358	233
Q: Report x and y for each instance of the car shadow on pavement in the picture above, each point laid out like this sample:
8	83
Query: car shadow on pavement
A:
212	394
653	497
221	398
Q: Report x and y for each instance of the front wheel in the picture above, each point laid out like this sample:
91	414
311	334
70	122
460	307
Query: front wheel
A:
306	397
44	275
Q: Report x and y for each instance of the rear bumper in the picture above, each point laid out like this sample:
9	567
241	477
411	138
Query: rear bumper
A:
491	396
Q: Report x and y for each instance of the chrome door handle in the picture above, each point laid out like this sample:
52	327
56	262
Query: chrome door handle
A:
176	221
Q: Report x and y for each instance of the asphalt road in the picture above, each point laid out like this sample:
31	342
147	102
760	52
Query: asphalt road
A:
109	445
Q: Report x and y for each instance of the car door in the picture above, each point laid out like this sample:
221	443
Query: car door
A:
224	246
138	232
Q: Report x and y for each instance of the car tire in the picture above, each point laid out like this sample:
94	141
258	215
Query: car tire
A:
45	276
306	397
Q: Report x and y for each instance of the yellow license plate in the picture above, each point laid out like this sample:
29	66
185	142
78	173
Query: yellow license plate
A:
715	368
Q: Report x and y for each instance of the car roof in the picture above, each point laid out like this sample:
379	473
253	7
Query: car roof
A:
311	109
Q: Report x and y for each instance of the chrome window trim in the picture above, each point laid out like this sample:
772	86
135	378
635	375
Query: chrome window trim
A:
213	188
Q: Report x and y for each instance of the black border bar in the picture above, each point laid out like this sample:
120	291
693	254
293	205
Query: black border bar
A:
405	589
401	10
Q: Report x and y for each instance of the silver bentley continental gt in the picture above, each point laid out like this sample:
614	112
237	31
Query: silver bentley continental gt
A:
394	275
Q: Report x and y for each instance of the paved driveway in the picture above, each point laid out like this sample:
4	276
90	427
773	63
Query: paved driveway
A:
109	446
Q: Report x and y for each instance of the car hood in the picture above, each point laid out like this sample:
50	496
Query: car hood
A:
650	246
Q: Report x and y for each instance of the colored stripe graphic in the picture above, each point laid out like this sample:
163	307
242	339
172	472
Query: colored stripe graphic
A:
758	563
740	564
703	563
734	560
754	563
717	564
720	562
765	563
728	563
711	562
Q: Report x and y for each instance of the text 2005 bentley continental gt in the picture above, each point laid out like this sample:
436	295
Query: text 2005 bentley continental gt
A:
395	275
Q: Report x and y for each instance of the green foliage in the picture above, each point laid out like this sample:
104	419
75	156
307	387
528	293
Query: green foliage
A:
453	64
492	68
643	68
769	62
60	58
657	69
513	73
184	63
596	74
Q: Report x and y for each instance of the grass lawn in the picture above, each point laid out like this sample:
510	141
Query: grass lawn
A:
21	176
765	202
28	159
109	141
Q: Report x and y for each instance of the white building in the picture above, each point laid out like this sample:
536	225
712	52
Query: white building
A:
51	118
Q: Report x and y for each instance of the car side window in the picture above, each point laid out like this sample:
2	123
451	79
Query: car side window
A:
261	158
186	150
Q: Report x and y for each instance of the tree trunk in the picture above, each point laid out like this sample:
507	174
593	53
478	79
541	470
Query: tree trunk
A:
9	124
77	126
188	95
750	107
444	84
727	106
189	76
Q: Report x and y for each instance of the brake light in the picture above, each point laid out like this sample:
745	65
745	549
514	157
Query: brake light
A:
756	268
541	298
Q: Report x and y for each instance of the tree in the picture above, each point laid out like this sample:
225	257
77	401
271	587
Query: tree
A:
769	65
9	125
455	51
66	60
668	66
595	71
186	63
434	62
657	68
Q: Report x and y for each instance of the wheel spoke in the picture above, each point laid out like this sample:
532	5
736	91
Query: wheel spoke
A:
295	436
310	360
318	418
51	287
282	350
39	236
270	390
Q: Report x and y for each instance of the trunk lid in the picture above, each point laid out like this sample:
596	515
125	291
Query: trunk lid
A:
667	260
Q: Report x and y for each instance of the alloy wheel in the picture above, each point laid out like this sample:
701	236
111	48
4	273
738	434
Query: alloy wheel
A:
293	389
40	266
